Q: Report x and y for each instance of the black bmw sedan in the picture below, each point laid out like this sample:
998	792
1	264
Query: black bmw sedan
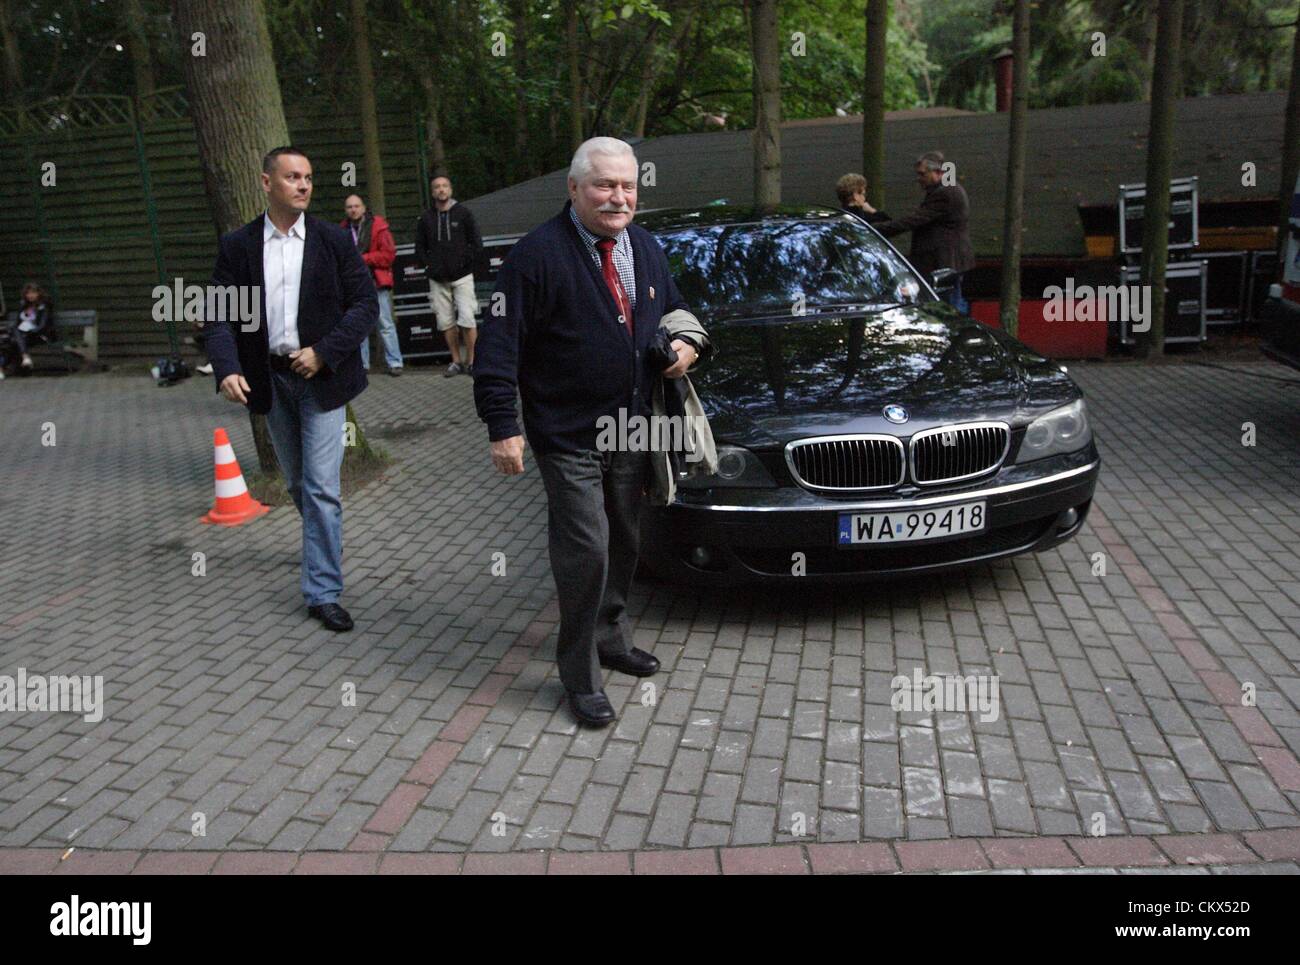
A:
864	427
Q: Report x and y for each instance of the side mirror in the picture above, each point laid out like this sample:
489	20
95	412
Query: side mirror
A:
942	281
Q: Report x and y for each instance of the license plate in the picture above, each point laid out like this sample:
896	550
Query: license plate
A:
906	526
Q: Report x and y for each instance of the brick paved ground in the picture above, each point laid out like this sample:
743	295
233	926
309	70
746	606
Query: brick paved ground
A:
1121	692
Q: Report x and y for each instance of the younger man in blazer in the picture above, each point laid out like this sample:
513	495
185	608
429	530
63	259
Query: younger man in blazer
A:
301	363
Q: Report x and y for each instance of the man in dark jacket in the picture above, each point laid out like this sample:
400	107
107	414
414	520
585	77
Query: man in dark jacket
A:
447	243
576	307
299	361
940	234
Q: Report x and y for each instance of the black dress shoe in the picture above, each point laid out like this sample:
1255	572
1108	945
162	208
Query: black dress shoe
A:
594	709
636	662
332	615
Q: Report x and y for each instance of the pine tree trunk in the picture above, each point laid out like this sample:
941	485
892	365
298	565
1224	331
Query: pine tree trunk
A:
1013	219
576	111
1160	144
519	16
873	103
369	112
238	116
138	44
433	126
765	47
13	72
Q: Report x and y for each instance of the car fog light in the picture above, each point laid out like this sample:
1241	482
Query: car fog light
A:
700	556
731	463
1068	518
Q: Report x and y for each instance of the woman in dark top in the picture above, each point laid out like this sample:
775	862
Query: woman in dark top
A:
35	321
852	192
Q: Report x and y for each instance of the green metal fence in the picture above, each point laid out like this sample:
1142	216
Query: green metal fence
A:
103	199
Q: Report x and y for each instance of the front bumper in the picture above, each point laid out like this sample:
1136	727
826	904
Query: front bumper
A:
752	535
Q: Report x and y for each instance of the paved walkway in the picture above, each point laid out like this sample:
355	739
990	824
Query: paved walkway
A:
227	710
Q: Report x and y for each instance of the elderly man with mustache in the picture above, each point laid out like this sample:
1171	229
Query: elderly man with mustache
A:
576	307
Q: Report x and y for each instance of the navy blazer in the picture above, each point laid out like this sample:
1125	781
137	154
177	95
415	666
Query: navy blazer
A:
337	308
550	335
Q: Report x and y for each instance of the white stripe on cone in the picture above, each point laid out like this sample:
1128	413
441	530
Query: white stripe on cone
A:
225	454
231	487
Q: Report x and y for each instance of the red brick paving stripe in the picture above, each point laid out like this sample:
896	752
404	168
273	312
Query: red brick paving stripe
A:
336	863
1281	844
397	808
255	863
851	858
1197	655
590	863
1155	599
420	864
1204	849
435	759
463	723
1281	764
532	636
963	854
492	687
507	863
1254	726
98	863
781	859
1276	758
1123	553
18	619
176	863
1118	852
703	861
515	660
28	861
947	855
1222	685
1176	626
402	801
1029	853
369	841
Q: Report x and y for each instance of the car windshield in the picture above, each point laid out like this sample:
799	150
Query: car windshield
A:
786	267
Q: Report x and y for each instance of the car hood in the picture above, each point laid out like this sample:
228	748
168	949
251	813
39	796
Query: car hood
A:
780	378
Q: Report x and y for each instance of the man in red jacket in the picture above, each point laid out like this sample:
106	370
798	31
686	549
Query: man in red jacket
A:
373	238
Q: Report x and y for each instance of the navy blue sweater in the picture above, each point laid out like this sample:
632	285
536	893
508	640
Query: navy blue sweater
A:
551	333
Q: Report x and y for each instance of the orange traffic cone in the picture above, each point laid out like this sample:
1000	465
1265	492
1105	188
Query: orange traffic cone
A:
233	503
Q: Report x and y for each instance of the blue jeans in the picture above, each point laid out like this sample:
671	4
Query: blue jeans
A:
954	297
387	332
309	444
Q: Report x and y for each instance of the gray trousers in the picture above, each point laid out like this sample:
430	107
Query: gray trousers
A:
593	502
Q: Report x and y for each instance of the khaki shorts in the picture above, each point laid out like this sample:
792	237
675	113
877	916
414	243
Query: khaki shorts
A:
454	302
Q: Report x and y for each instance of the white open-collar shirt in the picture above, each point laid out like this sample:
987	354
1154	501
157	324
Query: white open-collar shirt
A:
282	276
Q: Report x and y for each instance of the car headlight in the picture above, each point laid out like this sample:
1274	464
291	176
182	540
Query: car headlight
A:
737	467
1062	430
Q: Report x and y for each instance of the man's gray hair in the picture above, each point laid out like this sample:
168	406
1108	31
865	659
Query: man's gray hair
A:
581	165
933	160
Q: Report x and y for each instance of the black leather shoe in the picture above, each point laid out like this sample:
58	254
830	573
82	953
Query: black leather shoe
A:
636	662
332	615
594	709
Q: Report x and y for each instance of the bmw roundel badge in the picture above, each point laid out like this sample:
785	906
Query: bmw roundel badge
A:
895	413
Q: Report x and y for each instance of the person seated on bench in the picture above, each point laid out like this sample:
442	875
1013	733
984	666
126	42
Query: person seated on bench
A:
35	321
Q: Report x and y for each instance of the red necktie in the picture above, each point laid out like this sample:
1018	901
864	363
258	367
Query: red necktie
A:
606	248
